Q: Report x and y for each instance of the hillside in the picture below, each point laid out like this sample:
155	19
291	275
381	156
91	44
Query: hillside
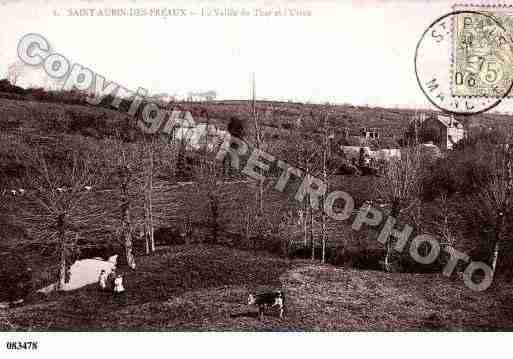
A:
206	287
99	121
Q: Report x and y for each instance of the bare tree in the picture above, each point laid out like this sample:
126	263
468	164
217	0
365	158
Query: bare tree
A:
492	202
308	149
126	218
51	209
442	225
325	154
126	167
255	221
306	154
208	175
316	163
149	170
399	185
258	145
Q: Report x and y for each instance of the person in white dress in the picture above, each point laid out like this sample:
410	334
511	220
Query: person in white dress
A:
119	289
118	284
102	280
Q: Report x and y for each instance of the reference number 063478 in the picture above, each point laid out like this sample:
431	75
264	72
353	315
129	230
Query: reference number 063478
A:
21	345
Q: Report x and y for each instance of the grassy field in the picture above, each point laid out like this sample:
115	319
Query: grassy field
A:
204	288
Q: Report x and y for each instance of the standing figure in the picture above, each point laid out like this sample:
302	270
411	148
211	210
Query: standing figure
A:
102	280
118	284
119	289
361	158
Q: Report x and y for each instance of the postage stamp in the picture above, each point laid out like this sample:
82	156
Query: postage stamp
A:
482	51
464	62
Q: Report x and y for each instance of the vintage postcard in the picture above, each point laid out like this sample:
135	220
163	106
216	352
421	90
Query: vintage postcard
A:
171	167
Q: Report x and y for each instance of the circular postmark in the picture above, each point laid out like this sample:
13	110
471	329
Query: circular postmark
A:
464	62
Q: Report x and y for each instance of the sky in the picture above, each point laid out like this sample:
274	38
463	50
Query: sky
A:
356	52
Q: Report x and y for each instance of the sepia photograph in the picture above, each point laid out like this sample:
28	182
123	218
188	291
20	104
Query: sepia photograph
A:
271	172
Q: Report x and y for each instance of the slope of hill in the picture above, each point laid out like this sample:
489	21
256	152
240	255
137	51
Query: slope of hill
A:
205	288
46	118
18	111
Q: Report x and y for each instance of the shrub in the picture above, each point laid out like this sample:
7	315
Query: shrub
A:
298	251
458	173
98	251
438	179
346	168
167	236
15	277
7	87
236	127
273	244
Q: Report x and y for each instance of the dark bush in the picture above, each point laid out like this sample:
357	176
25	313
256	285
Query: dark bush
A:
10	170
236	128
347	168
79	121
480	137
7	87
368	171
409	265
167	236
362	259
334	252
460	173
272	244
15	277
440	178
98	251
299	251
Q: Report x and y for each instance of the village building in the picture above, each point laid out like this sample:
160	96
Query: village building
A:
207	96
182	127
447	131
369	133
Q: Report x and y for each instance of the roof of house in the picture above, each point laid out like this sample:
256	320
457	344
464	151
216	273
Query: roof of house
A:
448	121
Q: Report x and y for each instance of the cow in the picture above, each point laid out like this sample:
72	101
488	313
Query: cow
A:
266	300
